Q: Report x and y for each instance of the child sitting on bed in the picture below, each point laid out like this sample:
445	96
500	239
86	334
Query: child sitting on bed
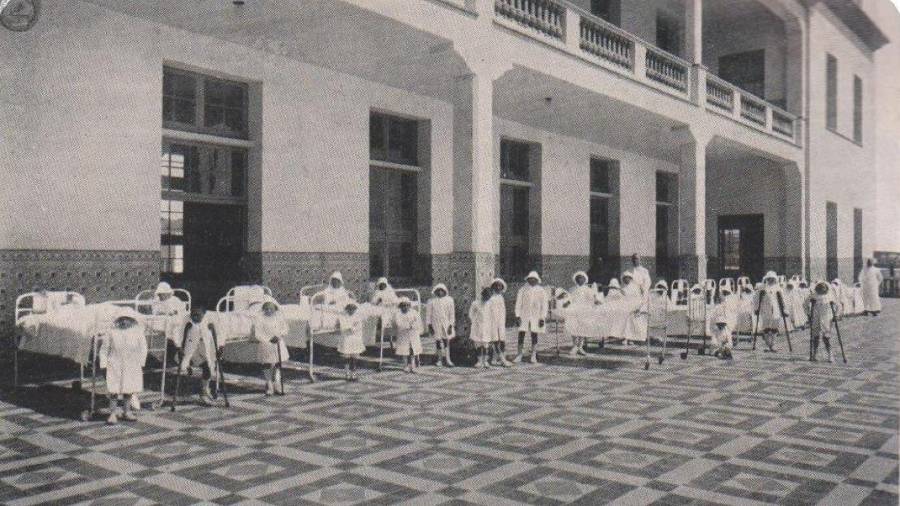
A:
409	329
125	353
269	328
197	340
351	345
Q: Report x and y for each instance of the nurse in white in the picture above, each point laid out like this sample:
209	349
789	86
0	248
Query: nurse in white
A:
531	313
870	278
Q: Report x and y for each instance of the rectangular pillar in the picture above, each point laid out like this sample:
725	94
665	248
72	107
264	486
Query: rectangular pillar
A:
693	31
476	195
692	211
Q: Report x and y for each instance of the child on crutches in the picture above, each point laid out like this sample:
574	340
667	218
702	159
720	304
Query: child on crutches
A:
197	339
818	307
440	317
769	314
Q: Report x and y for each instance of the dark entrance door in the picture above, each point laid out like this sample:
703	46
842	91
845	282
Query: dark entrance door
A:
213	245
741	246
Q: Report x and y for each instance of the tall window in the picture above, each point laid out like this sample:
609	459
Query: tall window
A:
857	109
604	220
204	104
857	242
666	189
203	184
393	197
831	92
516	186
831	240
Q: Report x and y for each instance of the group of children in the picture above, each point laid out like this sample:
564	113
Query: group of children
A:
769	308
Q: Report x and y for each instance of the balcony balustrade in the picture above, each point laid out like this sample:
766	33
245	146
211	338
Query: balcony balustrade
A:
574	30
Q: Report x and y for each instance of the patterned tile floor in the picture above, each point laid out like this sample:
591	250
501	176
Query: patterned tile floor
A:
760	429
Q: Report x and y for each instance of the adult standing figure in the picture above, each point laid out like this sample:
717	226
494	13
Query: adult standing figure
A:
870	277
641	276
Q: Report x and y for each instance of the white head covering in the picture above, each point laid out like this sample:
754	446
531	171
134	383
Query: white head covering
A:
614	283
404	300
837	281
382	280
661	284
724	289
627	274
824	283
163	288
337	275
498	280
697	288
126	312
580	273
440	286
770	275
533	275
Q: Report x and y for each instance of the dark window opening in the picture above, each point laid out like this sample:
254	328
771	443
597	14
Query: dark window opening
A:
857	109
608	10
198	103
831	92
515	160
745	70
393	139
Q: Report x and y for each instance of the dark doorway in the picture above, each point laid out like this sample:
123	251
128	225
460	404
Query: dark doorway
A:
831	240
742	246
609	10
745	70
213	246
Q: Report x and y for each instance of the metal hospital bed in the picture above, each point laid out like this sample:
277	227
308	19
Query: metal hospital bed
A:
74	330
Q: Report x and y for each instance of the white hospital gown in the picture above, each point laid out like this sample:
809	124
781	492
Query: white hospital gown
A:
440	313
531	308
409	330
264	329
126	353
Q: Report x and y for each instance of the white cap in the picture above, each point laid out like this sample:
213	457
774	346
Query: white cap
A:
580	273
337	275
440	286
533	275
163	288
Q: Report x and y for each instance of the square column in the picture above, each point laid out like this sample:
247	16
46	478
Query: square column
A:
693	31
476	195
692	208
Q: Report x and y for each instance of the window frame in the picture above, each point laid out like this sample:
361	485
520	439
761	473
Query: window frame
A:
200	104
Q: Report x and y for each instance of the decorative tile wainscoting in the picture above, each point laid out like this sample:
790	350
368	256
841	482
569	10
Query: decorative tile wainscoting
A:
465	274
286	273
98	275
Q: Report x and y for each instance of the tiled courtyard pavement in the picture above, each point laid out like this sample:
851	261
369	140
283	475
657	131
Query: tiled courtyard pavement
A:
760	430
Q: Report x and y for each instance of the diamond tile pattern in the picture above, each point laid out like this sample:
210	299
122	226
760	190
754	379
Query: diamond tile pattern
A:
761	429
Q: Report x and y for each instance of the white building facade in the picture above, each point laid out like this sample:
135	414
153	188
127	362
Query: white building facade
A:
217	143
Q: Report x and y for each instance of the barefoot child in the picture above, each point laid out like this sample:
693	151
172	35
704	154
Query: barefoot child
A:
497	329
409	329
531	314
269	329
480	324
440	317
351	345
125	352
